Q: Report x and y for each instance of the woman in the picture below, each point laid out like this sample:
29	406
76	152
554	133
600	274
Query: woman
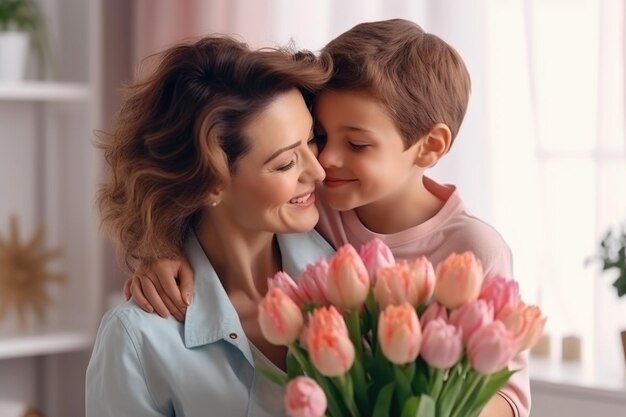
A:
211	153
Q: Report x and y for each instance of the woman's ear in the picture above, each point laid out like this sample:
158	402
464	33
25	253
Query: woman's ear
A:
215	195
433	145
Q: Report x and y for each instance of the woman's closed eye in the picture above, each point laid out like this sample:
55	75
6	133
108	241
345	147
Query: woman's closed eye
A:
287	166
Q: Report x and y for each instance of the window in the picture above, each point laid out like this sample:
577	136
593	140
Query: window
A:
559	167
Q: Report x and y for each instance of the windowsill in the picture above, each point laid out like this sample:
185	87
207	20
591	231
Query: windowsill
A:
576	379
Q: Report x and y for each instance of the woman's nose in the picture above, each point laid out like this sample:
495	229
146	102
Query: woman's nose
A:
313	167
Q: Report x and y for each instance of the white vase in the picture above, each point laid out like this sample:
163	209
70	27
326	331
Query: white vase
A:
13	55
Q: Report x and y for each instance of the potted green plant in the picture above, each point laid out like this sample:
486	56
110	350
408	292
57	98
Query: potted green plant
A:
20	21
612	255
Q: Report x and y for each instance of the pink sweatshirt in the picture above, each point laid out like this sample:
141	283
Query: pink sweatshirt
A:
452	229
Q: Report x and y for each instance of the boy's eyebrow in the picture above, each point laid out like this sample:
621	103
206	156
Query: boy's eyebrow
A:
286	148
356	128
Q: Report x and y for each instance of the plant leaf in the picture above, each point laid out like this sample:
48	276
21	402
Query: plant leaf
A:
493	384
409	409
383	401
426	406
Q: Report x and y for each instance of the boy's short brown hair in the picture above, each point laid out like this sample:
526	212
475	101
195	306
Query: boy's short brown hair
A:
420	78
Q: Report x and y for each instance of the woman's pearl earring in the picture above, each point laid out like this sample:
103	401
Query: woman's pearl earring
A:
213	203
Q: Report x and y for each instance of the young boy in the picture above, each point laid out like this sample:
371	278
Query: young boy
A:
392	109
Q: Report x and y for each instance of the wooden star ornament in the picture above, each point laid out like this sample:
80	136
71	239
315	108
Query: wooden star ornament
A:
24	275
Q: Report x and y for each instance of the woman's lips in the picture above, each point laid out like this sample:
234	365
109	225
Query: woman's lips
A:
303	200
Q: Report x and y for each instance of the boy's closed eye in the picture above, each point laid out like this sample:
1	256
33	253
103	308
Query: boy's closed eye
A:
357	147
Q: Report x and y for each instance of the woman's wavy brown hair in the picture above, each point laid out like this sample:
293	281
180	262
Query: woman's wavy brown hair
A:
179	134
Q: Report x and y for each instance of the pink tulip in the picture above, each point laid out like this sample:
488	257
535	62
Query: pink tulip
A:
327	341
433	312
304	398
491	348
376	255
313	283
459	278
283	281
412	282
280	319
399	333
500	292
472	316
525	323
441	344
348	281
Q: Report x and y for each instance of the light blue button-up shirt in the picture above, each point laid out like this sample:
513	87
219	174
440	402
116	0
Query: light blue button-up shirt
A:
145	366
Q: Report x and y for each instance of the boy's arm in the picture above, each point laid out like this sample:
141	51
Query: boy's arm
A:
498	407
164	286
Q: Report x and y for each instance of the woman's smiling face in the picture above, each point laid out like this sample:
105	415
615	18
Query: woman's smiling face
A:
272	187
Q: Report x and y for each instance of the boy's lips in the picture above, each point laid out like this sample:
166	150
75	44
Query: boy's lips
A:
336	182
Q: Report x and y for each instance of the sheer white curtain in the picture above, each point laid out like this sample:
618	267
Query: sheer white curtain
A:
541	151
558	166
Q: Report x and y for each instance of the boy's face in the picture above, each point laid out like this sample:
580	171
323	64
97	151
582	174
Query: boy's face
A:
361	150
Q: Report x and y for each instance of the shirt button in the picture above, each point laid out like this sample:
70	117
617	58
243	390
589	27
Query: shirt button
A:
233	336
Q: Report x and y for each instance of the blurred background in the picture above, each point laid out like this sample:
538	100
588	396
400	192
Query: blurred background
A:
540	155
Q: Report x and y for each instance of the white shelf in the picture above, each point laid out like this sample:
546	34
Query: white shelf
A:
44	91
578	380
44	344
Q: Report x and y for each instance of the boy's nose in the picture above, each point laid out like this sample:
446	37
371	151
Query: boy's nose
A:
328	158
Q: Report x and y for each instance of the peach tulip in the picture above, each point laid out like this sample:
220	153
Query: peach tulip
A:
304	398
525	323
459	279
413	282
348	280
280	319
327	342
399	333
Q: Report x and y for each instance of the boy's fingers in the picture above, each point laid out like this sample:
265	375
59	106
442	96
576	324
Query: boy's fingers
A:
167	283
185	281
134	287
178	315
167	301
153	297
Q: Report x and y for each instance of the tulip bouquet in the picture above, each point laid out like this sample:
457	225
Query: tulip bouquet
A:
370	337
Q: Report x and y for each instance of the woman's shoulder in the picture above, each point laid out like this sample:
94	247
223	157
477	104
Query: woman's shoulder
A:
300	249
127	321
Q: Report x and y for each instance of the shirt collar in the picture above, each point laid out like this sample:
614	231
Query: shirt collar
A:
212	317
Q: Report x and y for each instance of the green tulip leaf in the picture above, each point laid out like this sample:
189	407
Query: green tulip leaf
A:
383	401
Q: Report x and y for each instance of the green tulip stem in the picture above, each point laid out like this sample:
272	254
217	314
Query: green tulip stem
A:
436	383
475	380
353	322
344	383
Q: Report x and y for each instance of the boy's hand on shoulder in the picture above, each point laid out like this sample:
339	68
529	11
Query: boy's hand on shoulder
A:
164	286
